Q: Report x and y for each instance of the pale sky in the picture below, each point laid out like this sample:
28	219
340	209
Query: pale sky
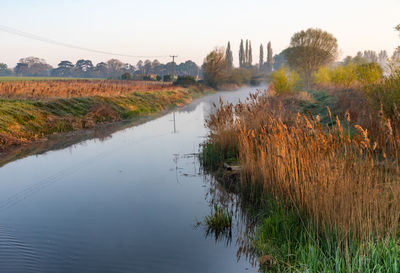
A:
189	29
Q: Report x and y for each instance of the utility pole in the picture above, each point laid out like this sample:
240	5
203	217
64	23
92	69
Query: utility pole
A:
173	65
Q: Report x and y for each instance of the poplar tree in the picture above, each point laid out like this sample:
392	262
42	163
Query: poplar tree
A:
246	56
261	62
270	59
241	54
250	58
229	56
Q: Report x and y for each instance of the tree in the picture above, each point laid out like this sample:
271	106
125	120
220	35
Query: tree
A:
114	67
214	68
359	58
246	55
4	71
32	66
64	69
383	59
188	68
347	60
250	57
139	65
241	54
83	68
280	59
270	59
21	69
126	76
147	67
370	56
156	67
229	56
261	61
309	50
101	70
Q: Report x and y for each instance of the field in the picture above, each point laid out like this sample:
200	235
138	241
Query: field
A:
15	79
30	110
75	88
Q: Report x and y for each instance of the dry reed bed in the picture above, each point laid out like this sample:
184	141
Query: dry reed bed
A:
346	184
75	88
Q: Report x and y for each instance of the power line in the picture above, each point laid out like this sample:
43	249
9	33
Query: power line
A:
50	41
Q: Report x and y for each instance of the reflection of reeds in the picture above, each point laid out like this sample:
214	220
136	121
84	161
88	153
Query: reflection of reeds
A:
342	183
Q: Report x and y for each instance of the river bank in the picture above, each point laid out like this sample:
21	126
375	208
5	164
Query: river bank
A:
34	115
308	181
126	200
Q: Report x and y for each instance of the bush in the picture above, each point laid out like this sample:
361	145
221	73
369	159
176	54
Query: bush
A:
386	94
284	80
368	73
322	76
185	81
126	76
240	76
167	78
344	75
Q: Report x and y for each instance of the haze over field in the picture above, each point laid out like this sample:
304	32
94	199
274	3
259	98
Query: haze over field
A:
187	28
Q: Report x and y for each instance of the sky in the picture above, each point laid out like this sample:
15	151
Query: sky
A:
189	29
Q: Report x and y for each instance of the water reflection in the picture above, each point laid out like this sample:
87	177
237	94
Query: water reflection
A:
243	227
122	202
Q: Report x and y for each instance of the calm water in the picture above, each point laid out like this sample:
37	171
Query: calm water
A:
125	203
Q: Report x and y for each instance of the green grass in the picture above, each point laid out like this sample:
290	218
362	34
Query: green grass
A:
26	120
219	219
10	79
297	246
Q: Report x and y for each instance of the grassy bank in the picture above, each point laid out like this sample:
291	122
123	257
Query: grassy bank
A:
326	192
25	117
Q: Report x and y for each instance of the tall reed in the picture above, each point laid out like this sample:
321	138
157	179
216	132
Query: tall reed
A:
350	185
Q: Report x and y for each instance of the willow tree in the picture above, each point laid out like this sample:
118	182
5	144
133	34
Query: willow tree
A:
215	68
309	50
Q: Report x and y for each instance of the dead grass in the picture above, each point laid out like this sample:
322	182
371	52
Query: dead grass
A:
50	89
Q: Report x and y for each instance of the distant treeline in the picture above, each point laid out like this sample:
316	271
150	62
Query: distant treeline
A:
33	66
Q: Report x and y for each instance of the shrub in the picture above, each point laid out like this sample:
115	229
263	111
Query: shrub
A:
344	75
284	80
240	76
126	76
167	78
185	81
368	73
385	94
322	76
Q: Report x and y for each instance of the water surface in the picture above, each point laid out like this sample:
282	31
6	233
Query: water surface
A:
124	203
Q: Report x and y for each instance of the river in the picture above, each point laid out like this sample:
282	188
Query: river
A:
127	202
